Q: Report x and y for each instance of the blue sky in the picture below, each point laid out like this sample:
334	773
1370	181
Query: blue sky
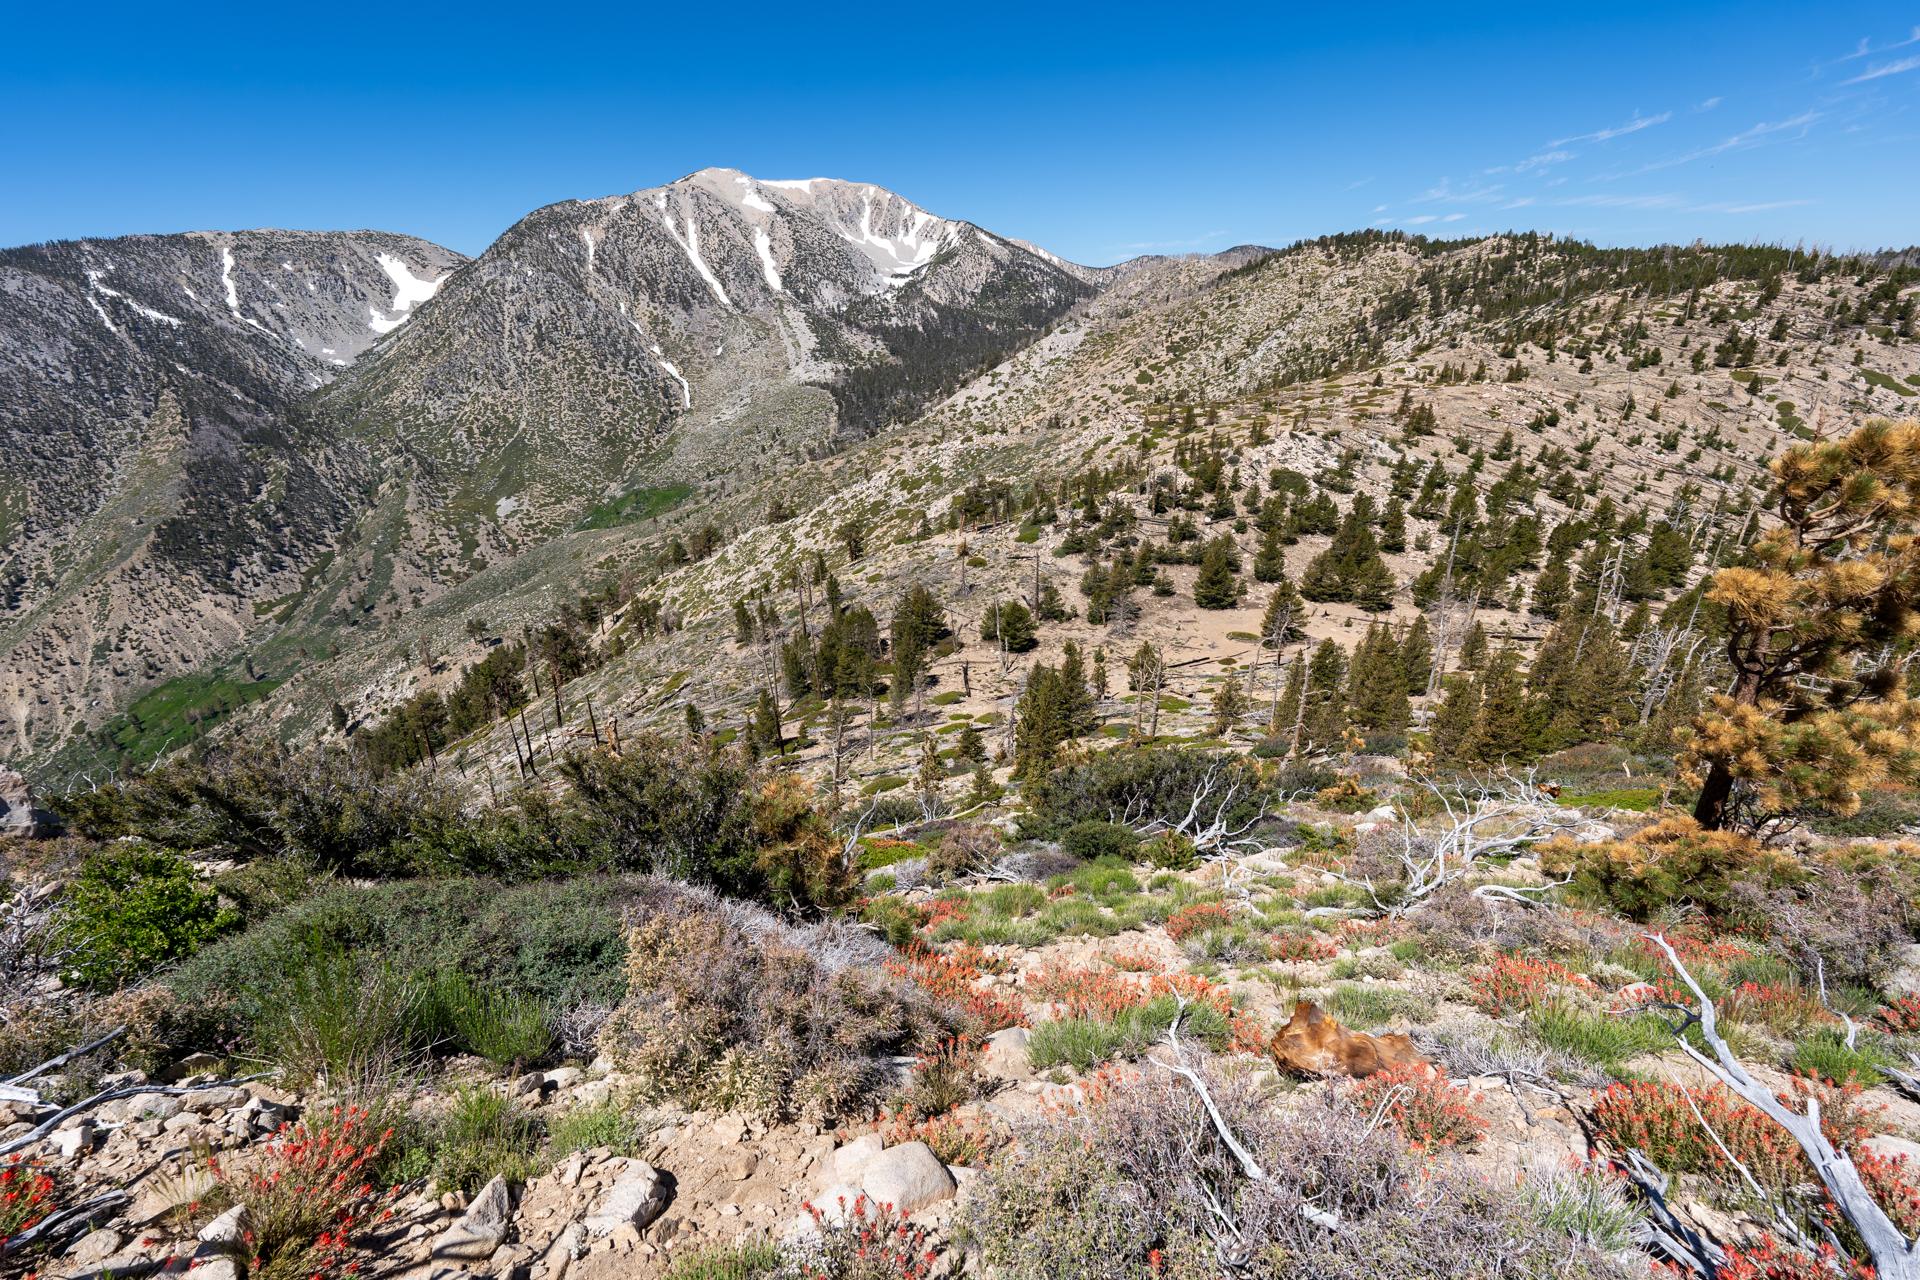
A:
1098	132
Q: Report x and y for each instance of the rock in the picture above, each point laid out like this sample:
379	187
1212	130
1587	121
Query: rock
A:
96	1246
1905	980
194	1064
1005	1054
228	1228
835	1203
71	1141
181	1123
217	1267
154	1106
534	1083
739	1166
637	1195
1885	1144
846	1164
481	1229
563	1077
19	816
909	1177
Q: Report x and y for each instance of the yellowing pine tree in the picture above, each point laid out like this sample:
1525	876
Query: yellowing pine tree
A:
1820	627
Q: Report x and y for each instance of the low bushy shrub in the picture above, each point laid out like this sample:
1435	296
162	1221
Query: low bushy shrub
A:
1673	862
1098	838
1146	783
506	1028
560	944
132	909
1120	1189
730	1008
483	1135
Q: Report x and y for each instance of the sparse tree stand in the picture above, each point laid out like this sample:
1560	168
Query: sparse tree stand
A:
1821	624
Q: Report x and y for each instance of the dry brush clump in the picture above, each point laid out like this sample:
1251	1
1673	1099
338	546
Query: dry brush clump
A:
1139	1183
729	1007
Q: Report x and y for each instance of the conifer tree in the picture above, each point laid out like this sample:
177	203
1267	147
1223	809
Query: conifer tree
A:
1377	695
1285	618
1393	527
1216	587
1473	649
1007	623
1453	719
1416	656
1287	710
767	733
1551	588
1507	723
1229	704
1821	623
1270	562
1326	701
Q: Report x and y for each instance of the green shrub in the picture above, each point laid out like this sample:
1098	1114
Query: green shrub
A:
1672	862
559	944
483	1136
1364	1007
1096	838
1169	851
354	1023
1824	1055
1085	1043
504	1027
1150	782
608	1123
1605	1040
752	1261
132	909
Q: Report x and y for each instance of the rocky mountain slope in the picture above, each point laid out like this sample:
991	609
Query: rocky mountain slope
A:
1310	361
149	489
602	354
706	330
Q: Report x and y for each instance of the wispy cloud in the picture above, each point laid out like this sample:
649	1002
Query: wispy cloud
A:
1760	206
1157	246
1542	160
1634	125
1866	49
1421	219
1710	103
1358	183
1520	203
1444	192
1453	217
1677	203
1752	137
1885	69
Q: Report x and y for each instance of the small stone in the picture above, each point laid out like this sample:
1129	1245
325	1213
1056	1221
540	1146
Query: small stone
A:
739	1166
845	1164
1005	1054
228	1228
637	1195
68	1143
96	1246
909	1177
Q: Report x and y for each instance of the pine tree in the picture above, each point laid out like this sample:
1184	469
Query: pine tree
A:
767	733
1285	618
1216	587
1229	704
1393	527
1287	711
1008	623
919	623
1551	588
1076	698
1453	720
1326	702
1270	562
1508	722
1473	649
1820	624
1377	696
1416	656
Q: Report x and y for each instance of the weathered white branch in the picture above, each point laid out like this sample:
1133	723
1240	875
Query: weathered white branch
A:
1893	1255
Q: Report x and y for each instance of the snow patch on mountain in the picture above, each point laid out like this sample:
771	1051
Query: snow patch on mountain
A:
233	291
409	291
763	244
